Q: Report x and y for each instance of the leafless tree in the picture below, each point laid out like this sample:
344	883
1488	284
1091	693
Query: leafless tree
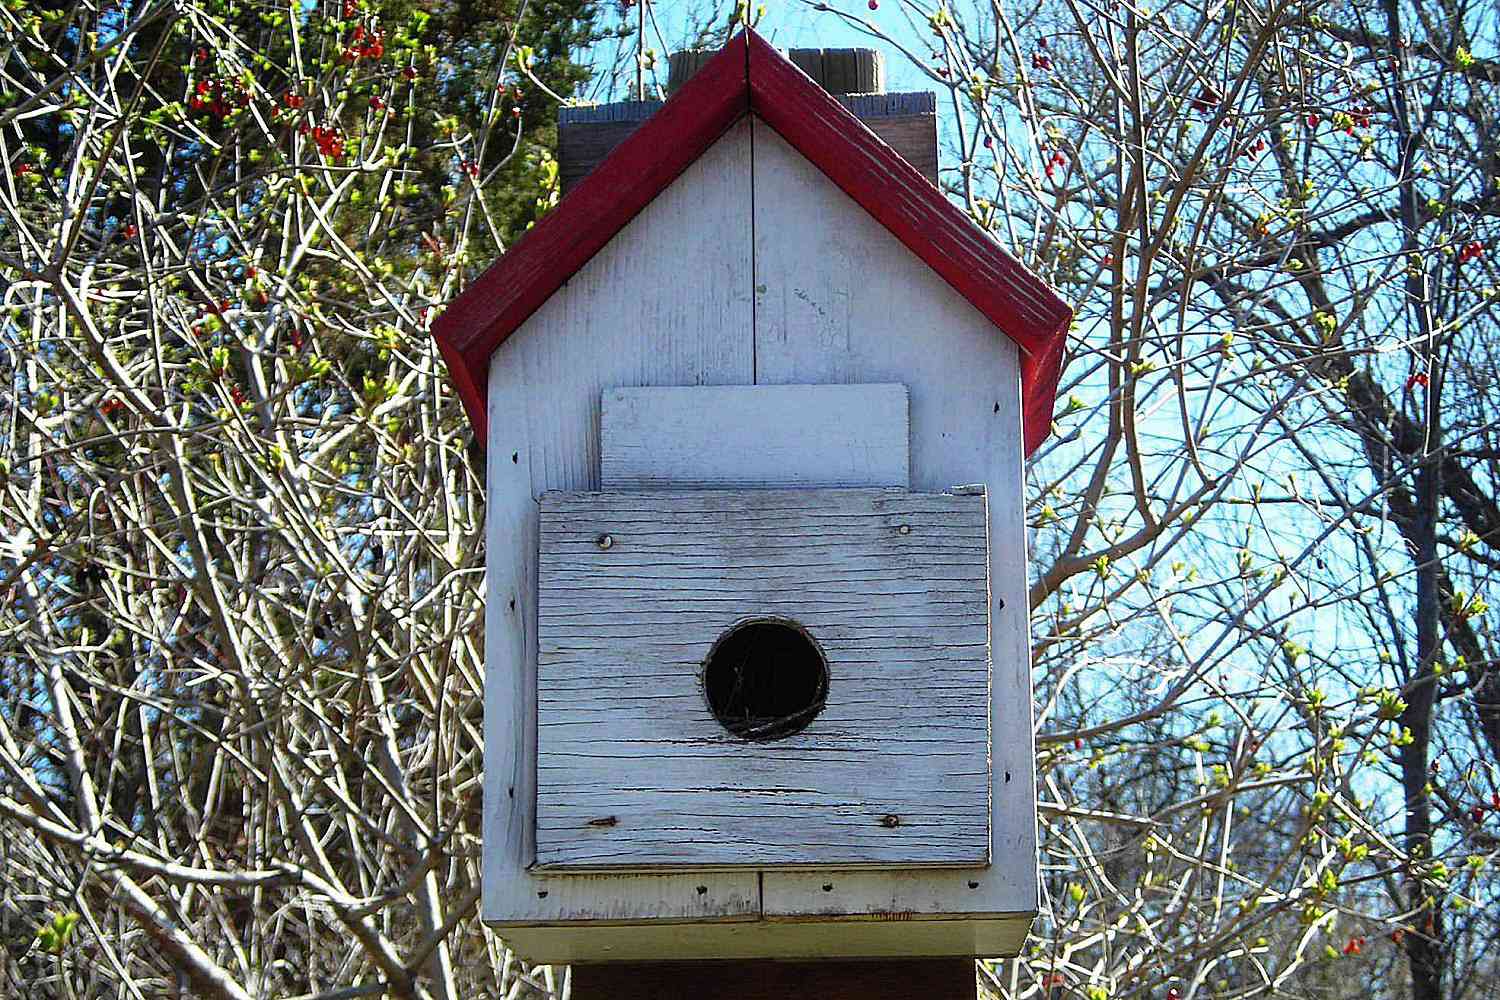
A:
240	510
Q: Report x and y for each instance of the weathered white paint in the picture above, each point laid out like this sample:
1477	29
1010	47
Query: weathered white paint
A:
895	935
840	300
669	302
628	317
754	435
634	770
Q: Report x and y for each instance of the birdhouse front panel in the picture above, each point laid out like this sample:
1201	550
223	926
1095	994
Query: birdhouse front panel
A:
763	678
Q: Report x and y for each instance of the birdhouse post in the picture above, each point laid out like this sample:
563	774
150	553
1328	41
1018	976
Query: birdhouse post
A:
756	399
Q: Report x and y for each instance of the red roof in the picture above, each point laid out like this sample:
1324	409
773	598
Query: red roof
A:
749	76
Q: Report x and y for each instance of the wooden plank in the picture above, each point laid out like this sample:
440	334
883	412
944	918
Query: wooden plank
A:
582	147
907	122
932	979
819	318
760	436
562	242
893	192
635	771
544	390
842	71
914	137
893	935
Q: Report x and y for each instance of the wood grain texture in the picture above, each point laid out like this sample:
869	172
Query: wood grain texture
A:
756	436
896	195
633	769
820	318
896	935
683	65
582	147
586	135
544	391
637	172
932	979
842	71
913	137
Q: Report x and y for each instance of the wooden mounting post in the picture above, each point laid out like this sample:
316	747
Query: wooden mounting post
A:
904	979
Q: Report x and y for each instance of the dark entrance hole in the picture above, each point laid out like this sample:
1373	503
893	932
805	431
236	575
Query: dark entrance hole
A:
765	679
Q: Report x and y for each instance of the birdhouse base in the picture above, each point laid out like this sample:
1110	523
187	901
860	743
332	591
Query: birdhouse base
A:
893	935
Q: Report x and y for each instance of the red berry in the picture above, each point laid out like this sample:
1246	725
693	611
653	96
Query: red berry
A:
409	72
1477	814
130	231
1174	994
377	103
874	4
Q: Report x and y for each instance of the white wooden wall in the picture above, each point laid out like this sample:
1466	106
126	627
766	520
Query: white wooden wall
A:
839	299
677	299
667	302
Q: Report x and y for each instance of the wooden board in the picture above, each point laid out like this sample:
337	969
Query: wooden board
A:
760	436
635	772
970	260
907	122
543	399
932	979
898	935
821	318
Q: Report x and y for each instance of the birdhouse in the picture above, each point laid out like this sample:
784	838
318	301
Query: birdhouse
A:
755	399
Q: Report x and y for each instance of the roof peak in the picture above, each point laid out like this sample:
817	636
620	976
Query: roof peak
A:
750	76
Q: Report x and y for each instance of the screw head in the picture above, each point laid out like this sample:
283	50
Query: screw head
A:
605	541
904	529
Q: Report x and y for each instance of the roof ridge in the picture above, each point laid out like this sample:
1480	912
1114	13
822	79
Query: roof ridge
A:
749	75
